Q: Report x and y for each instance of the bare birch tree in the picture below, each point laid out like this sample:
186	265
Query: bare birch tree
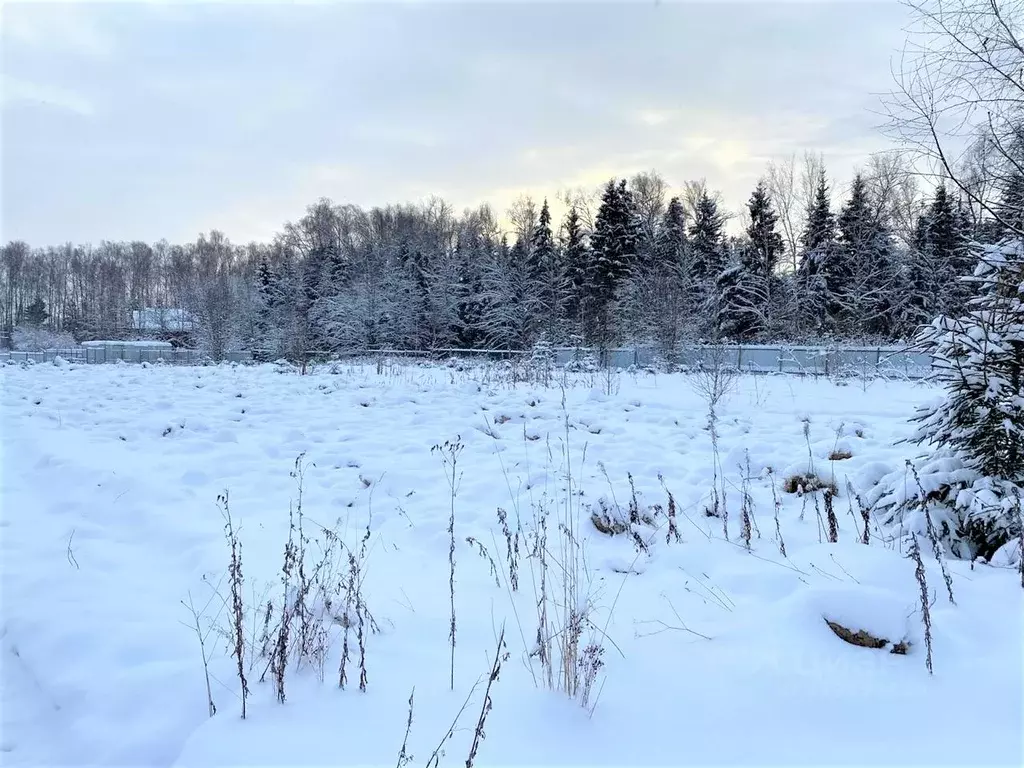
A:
961	72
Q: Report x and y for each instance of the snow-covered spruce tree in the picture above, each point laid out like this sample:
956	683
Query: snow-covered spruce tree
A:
939	256
577	262
864	270
654	300
708	258
613	247
818	243
979	426
672	310
547	273
747	286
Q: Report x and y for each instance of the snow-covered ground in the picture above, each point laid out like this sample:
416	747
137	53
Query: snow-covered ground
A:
711	654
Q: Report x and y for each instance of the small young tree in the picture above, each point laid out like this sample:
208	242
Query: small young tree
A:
980	361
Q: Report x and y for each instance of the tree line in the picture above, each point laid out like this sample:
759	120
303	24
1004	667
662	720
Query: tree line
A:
631	264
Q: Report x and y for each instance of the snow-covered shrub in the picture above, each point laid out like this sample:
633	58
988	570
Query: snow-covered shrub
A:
583	359
975	434
542	361
638	521
31	338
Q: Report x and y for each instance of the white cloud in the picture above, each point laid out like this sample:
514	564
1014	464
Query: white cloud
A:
655	117
15	91
54	26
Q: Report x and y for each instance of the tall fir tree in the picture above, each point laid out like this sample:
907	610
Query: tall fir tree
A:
818	243
819	233
578	263
672	241
747	288
766	244
473	252
547	276
671	305
264	325
707	261
939	255
614	246
707	240
862	273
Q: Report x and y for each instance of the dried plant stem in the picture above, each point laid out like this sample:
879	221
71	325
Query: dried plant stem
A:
450	452
933	535
833	521
404	758
237	604
926	615
500	655
778	527
211	707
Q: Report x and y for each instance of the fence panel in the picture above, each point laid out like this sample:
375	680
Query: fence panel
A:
755	358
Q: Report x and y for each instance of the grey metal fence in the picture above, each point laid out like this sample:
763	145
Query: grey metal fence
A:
124	354
760	358
868	362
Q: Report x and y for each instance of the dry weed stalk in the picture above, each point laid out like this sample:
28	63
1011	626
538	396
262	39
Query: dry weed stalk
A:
404	758
926	614
236	580
482	551
821	523
279	659
673	528
865	513
778	506
500	655
511	549
434	761
211	707
714	382
833	521
450	452
356	606
746	506
933	535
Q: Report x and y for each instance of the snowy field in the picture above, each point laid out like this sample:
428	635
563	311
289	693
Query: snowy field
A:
710	654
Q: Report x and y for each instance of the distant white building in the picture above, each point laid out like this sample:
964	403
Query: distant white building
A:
153	319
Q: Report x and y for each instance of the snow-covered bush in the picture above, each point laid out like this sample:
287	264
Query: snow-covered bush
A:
542	361
975	434
32	338
583	359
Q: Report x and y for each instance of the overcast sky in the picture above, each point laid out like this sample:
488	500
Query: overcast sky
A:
161	120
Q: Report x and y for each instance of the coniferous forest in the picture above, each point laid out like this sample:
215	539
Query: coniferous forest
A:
637	262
